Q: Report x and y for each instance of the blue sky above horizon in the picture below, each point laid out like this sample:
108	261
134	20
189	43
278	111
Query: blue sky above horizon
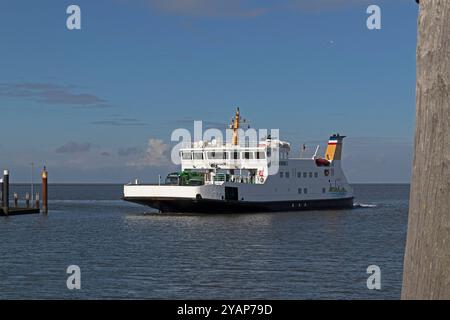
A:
100	104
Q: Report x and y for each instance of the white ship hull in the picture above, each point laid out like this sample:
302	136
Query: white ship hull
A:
254	177
306	187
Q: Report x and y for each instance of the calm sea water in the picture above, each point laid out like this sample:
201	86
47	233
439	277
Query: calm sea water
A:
125	251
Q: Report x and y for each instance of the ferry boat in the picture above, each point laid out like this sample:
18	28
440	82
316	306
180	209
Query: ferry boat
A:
237	178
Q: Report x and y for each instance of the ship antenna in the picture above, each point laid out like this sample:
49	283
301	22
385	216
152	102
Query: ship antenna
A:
235	126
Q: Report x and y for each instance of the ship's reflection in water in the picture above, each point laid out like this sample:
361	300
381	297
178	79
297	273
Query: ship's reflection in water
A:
126	253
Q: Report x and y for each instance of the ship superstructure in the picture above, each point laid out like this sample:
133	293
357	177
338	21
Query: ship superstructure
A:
236	177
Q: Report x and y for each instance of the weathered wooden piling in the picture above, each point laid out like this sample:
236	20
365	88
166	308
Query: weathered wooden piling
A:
44	191
16	200
5	197
426	272
37	205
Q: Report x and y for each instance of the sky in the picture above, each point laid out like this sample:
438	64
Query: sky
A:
98	105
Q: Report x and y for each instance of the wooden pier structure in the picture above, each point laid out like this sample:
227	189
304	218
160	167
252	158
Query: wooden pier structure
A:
19	211
34	208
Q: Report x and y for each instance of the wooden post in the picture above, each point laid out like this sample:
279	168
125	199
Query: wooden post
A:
16	200
44	191
427	257
27	200
5	203
37	206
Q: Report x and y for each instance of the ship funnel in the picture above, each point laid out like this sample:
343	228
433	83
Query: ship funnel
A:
334	149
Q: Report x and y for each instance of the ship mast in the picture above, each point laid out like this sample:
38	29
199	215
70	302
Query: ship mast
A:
235	126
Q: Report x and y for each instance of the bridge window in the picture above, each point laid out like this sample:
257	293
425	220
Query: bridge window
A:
235	155
198	155
305	175
299	174
310	174
299	190
186	155
260	155
305	190
247	155
287	174
216	155
281	174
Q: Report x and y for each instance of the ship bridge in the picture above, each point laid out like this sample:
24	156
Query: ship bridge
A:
246	163
234	161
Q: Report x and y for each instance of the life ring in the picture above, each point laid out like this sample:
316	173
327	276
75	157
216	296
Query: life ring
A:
261	179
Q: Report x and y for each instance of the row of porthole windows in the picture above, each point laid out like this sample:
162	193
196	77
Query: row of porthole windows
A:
221	155
305	190
299	174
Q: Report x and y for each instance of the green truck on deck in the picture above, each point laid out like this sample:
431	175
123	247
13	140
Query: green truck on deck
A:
185	178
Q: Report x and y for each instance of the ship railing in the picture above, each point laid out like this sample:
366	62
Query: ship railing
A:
221	145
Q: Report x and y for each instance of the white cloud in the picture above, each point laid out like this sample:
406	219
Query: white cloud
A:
155	154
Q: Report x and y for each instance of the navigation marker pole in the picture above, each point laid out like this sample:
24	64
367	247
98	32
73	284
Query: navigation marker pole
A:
44	191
